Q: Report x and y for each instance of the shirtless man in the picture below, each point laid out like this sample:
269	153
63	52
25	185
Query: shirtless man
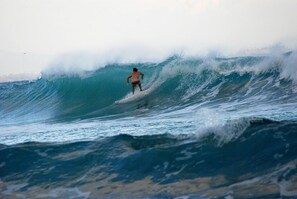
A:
135	81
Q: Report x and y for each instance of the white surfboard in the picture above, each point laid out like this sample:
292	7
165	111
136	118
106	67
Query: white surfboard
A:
130	97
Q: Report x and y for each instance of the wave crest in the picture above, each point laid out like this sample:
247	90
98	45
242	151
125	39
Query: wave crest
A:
173	83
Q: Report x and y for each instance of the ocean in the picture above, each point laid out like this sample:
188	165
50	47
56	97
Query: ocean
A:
202	128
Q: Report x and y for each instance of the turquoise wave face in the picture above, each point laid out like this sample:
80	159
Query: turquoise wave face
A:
173	84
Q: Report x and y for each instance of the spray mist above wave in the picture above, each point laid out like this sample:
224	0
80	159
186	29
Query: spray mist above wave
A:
79	62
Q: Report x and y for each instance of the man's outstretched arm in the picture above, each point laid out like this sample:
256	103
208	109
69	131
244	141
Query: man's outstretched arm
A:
128	78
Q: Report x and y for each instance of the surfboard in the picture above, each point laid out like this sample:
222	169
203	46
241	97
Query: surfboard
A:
130	97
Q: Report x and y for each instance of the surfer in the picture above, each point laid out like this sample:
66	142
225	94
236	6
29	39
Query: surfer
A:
135	81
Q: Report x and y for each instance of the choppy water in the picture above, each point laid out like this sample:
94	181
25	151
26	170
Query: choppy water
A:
203	128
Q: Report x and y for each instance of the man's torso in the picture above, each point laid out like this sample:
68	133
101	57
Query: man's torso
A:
135	76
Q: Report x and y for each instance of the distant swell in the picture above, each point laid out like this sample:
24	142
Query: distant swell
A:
262	159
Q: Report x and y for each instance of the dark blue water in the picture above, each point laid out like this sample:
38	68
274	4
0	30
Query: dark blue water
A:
203	128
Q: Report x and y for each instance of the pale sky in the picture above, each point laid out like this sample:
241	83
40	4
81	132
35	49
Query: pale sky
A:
34	32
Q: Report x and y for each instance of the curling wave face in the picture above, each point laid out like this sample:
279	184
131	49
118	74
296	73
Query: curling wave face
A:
171	85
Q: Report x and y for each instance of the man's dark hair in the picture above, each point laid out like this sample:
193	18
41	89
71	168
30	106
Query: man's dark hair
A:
135	69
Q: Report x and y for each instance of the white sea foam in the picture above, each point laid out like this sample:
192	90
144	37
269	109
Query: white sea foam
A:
185	155
290	67
224	127
65	193
13	188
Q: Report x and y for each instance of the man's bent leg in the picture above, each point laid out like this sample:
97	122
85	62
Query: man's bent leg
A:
133	86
